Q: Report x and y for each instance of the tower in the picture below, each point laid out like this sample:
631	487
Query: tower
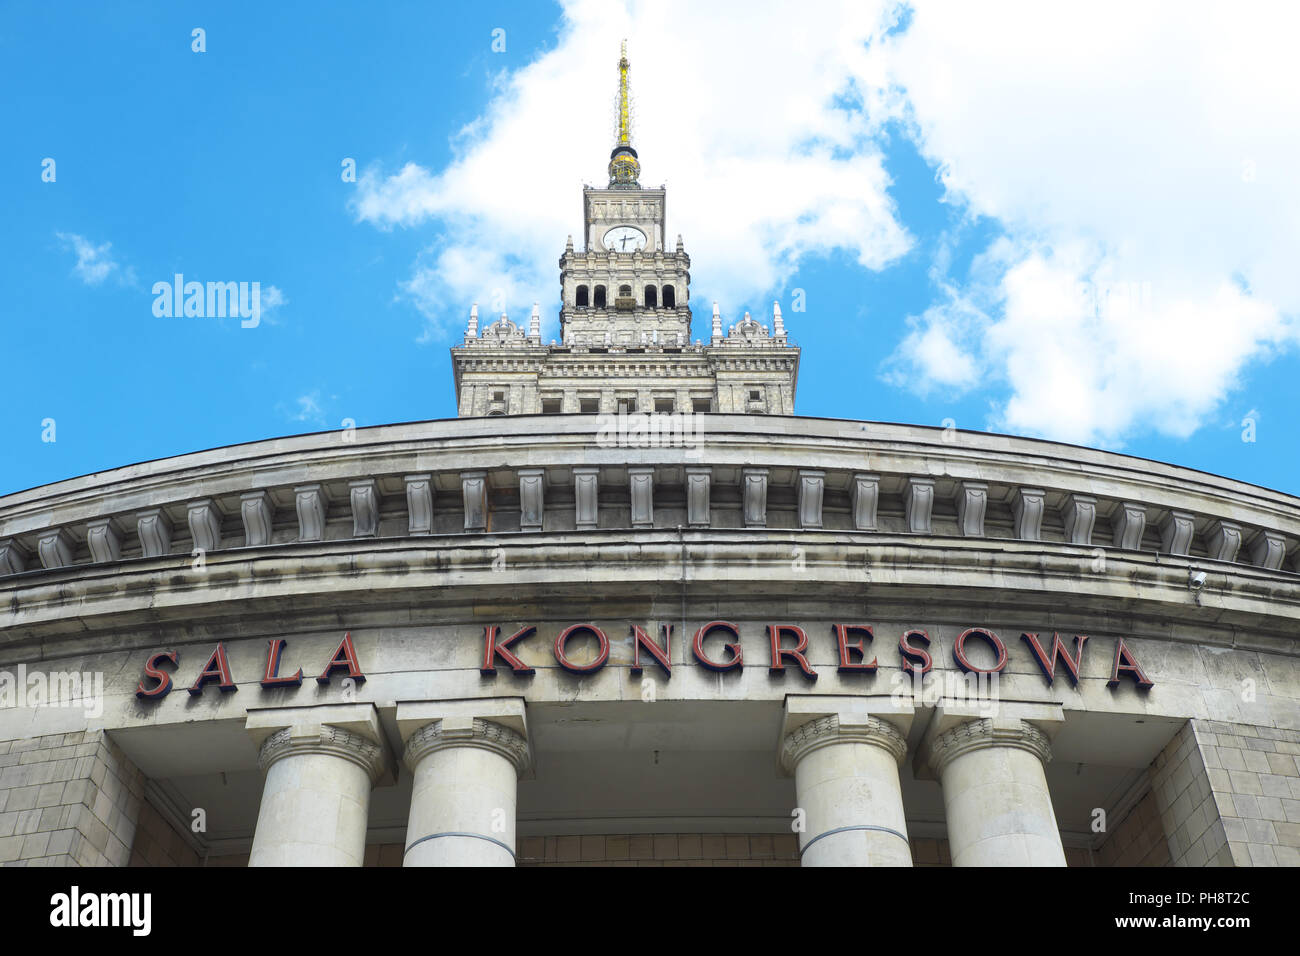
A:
626	288
625	322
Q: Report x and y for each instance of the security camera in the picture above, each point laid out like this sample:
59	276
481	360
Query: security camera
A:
1195	579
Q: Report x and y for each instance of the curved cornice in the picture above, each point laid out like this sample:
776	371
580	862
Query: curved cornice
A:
569	439
334	483
1140	593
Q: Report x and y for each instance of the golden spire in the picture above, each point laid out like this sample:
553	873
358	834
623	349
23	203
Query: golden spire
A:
623	165
624	131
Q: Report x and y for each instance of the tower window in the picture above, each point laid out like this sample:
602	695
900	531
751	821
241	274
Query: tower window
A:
600	297
550	406
588	406
670	297
580	300
663	405
625	291
701	405
651	299
755	395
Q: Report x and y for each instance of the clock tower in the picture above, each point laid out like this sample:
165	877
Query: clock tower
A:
625	323
626	287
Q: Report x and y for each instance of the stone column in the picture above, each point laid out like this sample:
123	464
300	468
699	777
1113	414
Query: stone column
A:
844	758
466	770
316	799
995	793
846	781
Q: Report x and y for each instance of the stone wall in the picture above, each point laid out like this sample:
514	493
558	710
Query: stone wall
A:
1189	813
1254	774
1138	839
1229	795
158	844
67	800
661	849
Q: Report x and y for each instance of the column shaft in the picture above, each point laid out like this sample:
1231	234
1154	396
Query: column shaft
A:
464	793
846	781
316	799
995	794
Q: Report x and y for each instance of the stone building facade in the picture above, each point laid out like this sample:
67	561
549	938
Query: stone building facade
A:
319	609
515	638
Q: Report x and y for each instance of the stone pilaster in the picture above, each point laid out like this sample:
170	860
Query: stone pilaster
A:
1128	522
1027	507
419	504
1080	514
532	502
1267	550
55	548
1223	540
473	486
586	497
698	480
972	502
103	540
155	530
1176	532
204	518
363	496
255	510
754	495
641	490
865	493
811	488
311	504
918	502
13	556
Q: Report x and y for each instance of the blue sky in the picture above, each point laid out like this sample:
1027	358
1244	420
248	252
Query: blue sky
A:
927	220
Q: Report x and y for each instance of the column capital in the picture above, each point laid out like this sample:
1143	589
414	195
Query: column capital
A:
841	729
325	739
467	732
350	731
988	732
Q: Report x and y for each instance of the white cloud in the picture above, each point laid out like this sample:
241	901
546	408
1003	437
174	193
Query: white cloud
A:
271	299
741	112
309	408
94	263
1141	159
936	353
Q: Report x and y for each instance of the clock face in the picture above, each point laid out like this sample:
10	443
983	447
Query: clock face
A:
624	239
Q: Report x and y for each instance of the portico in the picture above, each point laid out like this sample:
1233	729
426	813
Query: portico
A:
474	783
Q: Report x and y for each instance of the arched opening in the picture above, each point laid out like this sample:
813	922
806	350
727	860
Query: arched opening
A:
670	297
651	298
580	300
600	297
